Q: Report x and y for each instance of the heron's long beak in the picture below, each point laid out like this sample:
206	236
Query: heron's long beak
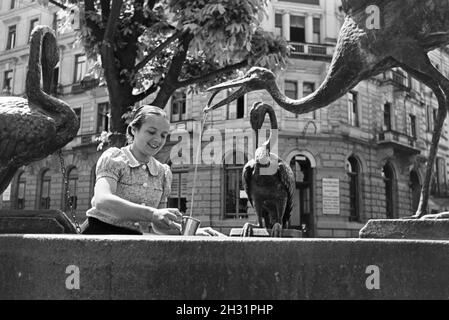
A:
239	82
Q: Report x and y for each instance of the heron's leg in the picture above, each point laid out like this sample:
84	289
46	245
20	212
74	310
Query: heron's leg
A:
247	230
276	231
418	64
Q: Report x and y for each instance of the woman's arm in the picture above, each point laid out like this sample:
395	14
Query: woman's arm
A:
124	210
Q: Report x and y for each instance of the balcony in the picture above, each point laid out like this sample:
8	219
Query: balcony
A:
87	83
399	142
81	141
312	51
395	78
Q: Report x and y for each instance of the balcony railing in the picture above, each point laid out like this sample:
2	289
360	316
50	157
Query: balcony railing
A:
397	79
313	50
82	141
399	141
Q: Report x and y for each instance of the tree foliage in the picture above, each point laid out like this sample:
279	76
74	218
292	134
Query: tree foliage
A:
153	48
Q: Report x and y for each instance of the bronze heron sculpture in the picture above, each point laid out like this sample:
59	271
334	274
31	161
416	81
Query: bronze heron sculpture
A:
270	192
33	128
407	31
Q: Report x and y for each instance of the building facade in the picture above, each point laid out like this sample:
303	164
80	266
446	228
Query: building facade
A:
360	158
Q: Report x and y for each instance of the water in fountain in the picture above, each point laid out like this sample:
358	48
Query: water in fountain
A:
197	159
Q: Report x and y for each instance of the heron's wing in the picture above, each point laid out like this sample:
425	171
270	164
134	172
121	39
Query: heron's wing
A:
287	178
247	174
23	133
12	128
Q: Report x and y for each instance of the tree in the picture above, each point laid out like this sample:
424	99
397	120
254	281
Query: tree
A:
150	47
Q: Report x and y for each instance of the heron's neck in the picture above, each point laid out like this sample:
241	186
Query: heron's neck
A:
273	119
65	118
296	106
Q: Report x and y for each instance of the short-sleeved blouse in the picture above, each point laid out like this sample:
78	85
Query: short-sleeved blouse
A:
148	184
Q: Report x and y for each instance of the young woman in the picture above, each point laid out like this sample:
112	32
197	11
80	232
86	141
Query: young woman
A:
132	187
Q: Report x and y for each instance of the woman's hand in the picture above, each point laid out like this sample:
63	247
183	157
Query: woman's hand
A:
208	231
167	220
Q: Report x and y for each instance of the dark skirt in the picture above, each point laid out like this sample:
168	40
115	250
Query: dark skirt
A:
95	226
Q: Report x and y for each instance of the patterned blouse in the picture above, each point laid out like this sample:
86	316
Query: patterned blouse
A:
147	184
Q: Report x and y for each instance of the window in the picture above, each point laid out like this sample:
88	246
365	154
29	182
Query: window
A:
78	115
178	196
388	176
412	125
44	202
316	30
278	24
55	83
353	112
435	117
440	174
236	109
291	89
387	117
178	106
80	67
11	41
73	184
236	206
297	29
353	169
307	89
13	4
415	190
93	178
33	23
103	116
7	81
20	191
429	116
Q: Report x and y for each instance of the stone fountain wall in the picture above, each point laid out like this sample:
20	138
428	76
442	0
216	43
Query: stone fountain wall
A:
149	267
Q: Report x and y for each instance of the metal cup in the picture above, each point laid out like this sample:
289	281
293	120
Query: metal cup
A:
189	226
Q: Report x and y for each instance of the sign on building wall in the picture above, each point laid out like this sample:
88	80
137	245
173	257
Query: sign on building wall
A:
6	195
331	196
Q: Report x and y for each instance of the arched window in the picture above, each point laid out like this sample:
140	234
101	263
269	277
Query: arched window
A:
44	199
415	190
73	184
353	170
93	178
178	196
389	180
20	191
301	216
236	203
440	174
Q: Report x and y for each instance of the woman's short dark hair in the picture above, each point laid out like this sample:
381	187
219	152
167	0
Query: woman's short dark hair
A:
139	118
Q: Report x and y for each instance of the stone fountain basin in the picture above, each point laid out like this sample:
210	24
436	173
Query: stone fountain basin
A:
38	266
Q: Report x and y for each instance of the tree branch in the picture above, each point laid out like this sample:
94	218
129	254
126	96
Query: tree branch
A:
171	83
62	6
97	32
213	74
107	48
145	94
158	50
111	27
105	10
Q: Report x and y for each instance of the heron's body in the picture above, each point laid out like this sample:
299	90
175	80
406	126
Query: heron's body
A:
270	195
268	182
32	129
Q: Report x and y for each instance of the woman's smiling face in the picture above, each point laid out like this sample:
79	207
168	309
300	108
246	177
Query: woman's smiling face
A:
151	136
